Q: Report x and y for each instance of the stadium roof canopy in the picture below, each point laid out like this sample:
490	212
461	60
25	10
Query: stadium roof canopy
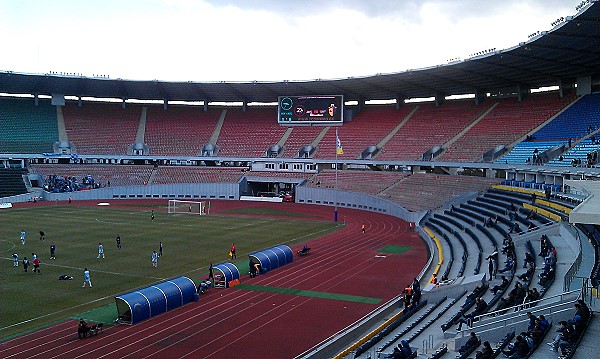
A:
559	56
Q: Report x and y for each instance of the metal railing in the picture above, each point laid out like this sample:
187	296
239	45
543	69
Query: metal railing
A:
570	275
517	311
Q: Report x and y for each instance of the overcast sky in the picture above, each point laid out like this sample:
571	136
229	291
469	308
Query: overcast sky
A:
263	40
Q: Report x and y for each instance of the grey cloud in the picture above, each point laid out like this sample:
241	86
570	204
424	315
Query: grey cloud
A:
393	8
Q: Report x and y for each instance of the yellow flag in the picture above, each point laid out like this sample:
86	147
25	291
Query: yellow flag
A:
338	146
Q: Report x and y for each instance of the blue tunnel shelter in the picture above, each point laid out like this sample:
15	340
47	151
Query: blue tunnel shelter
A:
224	273
144	303
272	258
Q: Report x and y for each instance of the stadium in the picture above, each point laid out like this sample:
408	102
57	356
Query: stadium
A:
436	203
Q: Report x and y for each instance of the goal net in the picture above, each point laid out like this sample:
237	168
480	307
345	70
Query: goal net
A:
189	207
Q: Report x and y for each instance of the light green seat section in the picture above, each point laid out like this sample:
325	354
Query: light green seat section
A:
26	128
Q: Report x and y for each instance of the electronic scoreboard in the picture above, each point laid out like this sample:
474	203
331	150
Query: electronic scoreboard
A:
310	110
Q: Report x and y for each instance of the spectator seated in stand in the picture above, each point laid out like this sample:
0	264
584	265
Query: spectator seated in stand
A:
518	349
486	352
566	336
509	266
528	260
526	277
547	277
516	295
470	343
480	307
402	351
550	259
503	285
61	184
543	323
532	321
582	310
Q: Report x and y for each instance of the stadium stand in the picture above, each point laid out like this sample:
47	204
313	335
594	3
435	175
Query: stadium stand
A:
179	131
300	136
182	174
575	122
368	182
423	130
467	216
505	124
101	128
425	191
27	128
11	182
367	128
249	133
104	175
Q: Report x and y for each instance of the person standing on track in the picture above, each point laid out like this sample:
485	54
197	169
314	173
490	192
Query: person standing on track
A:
363	228
86	278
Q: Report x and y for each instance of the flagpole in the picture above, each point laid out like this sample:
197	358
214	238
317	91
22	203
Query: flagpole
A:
335	212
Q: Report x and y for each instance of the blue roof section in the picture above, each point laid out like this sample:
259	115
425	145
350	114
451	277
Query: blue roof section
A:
228	270
139	305
274	257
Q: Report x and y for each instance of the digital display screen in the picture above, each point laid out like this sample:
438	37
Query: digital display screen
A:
310	110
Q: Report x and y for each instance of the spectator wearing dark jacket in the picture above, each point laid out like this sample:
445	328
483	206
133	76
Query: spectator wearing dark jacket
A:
486	352
471	342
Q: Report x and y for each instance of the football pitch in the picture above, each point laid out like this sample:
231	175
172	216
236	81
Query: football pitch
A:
190	244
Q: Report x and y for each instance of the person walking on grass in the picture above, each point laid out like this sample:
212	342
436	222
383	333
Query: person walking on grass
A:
23	234
86	278
232	251
100	250
15	258
118	240
36	266
52	250
154	259
160	249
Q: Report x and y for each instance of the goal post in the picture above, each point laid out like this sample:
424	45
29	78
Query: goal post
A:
189	207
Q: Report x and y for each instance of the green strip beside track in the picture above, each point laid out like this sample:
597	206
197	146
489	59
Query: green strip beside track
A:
392	249
309	293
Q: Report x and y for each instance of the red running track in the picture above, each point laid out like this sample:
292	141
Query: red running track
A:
232	322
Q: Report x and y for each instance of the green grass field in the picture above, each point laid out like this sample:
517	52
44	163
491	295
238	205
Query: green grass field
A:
190	243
